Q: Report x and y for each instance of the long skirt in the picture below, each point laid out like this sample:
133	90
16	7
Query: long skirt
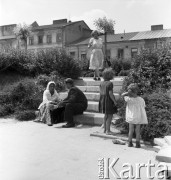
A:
96	59
51	114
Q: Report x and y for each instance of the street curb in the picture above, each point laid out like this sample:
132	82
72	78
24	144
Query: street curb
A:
101	135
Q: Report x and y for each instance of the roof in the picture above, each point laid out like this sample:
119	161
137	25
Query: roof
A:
152	34
7	37
112	38
56	25
132	36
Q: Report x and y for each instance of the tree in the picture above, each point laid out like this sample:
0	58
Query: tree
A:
106	26
23	32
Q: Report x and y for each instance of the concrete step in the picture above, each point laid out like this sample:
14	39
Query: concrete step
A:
89	118
168	140
91	96
116	89
160	142
117	81
93	106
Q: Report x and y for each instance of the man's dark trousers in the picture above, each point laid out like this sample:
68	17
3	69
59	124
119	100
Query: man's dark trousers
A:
72	109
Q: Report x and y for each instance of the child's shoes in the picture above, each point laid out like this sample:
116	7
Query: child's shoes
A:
130	144
138	144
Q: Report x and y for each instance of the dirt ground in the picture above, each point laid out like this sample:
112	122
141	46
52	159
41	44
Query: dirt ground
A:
34	151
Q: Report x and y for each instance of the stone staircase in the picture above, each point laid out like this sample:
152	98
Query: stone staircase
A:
91	90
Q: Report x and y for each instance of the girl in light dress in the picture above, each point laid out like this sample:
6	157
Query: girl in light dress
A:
135	113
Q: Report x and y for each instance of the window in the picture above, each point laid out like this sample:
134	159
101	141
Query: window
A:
31	41
120	53
134	52
83	56
72	54
160	45
49	39
40	39
58	37
80	28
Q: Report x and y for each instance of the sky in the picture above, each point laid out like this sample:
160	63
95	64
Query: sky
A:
129	15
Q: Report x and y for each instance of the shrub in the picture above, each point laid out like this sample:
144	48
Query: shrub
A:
124	73
119	65
50	60
6	110
151	70
19	60
25	115
42	80
158	108
42	62
27	94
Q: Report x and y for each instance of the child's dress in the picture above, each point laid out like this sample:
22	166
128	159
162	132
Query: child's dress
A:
106	105
135	110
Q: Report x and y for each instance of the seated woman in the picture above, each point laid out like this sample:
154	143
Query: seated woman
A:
49	105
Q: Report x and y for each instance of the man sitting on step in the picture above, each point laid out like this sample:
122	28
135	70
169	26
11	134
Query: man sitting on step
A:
75	103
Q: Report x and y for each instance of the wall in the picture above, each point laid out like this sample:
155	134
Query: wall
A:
75	31
44	33
7	30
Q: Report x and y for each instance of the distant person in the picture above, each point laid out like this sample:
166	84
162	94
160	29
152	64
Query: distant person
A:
75	103
107	102
50	103
135	113
96	57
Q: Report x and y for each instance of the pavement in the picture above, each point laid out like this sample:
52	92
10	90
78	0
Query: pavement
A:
35	151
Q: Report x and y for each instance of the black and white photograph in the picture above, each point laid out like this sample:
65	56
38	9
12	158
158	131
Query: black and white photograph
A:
85	89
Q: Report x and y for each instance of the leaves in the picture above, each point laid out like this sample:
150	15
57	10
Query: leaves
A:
104	24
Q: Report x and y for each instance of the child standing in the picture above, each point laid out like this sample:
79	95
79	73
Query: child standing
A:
135	113
107	103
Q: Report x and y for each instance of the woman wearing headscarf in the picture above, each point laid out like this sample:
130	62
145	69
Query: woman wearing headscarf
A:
49	104
96	57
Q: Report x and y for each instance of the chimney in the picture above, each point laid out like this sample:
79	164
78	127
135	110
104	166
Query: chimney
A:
60	21
111	32
157	27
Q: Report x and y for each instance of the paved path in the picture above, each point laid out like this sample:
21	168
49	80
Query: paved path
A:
33	151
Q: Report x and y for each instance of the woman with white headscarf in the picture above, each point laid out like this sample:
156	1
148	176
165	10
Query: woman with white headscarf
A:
50	103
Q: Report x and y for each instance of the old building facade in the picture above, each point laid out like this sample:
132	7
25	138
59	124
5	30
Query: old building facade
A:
59	35
126	45
74	38
7	37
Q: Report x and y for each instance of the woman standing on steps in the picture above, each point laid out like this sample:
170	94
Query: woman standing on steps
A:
107	103
96	57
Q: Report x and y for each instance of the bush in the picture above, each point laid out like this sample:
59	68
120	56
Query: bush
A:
124	73
158	108
27	94
42	80
151	70
42	62
6	110
25	115
50	60
119	65
18	60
